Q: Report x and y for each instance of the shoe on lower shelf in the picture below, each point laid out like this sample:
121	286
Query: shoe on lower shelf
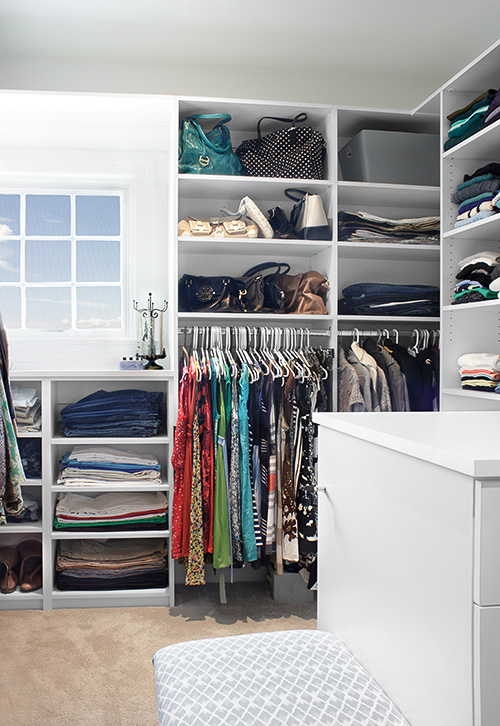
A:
30	569
9	559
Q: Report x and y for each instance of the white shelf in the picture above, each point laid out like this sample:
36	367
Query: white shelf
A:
110	534
484	145
111	598
471	394
192	186
267	247
108	440
490	306
26	528
32	483
111	488
255	319
88	375
387	319
19	600
28	435
487	229
388	251
370	194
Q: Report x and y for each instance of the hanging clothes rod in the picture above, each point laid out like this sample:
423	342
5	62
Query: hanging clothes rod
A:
379	331
189	331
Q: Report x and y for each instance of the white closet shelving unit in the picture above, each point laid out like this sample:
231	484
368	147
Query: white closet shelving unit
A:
378	262
57	390
470	327
203	195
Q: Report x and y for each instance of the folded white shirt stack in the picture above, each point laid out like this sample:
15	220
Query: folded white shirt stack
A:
27	408
98	465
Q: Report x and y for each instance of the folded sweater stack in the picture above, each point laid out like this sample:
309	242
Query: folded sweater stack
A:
478	278
480	372
467	121
365	227
111	564
130	511
478	196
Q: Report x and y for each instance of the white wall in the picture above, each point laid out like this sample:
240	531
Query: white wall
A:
339	85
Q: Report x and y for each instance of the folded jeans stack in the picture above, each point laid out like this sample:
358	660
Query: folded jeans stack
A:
31	456
467	121
27	407
127	511
111	564
480	372
365	227
478	196
98	465
368	298
128	412
478	278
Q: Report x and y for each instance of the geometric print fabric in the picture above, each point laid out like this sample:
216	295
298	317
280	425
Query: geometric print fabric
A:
286	678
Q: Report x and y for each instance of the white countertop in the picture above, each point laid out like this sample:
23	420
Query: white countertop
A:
464	441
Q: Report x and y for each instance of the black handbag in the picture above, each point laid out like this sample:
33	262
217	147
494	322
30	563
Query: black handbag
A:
253	292
291	153
225	294
208	294
282	227
274	297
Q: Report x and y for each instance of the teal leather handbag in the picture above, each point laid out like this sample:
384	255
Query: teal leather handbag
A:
207	153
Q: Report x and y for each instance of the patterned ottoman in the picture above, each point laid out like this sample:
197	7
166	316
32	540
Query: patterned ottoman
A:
292	678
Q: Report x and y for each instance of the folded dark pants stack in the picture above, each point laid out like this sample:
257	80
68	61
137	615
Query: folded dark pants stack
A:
369	298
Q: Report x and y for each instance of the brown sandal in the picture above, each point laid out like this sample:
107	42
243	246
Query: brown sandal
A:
30	571
9	558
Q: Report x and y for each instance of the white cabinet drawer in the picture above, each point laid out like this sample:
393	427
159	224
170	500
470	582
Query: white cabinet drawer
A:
487	543
486	666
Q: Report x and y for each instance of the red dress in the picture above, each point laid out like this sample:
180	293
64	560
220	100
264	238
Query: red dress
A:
178	461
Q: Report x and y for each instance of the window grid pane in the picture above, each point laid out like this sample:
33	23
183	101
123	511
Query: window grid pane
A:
114	263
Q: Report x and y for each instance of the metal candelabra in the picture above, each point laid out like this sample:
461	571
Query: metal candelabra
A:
146	341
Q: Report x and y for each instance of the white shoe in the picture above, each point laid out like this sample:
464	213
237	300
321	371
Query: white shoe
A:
250	209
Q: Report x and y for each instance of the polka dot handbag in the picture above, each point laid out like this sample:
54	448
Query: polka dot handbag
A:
296	152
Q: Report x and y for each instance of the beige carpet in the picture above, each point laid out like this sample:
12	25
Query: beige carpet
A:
93	667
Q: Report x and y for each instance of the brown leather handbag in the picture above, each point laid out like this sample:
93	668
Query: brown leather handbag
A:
305	293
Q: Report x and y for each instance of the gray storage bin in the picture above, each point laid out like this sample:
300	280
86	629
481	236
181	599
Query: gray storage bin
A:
391	157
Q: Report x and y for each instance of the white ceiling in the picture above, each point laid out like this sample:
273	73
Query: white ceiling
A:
424	38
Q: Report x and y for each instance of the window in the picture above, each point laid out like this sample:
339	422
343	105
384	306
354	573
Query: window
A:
61	260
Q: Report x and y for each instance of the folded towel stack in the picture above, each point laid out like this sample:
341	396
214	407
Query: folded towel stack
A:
480	372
